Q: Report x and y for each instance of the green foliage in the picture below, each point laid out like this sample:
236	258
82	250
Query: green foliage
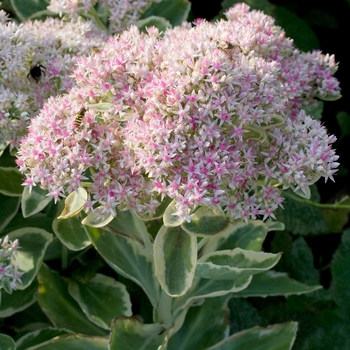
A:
175	11
207	284
63	311
276	337
7	343
23	11
302	217
34	201
10	182
210	330
128	333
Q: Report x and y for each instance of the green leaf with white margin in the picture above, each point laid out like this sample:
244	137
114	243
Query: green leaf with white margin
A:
207	288
129	333
248	236
7	343
74	342
59	307
74	203
39	336
236	263
97	218
32	246
272	283
274	225
8	209
34	201
275	337
71	233
169	219
129	224
153	21
175	257
127	257
175	11
207	222
329	97
23	11
18	301
11	182
102	298
101	107
204	325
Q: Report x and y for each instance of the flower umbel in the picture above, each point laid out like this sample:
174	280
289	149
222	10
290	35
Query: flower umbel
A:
9	274
210	115
37	60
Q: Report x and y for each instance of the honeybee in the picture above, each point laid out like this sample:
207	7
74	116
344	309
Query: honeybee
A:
79	117
95	49
36	72
224	45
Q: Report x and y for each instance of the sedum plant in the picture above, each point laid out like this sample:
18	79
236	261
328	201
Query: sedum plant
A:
172	151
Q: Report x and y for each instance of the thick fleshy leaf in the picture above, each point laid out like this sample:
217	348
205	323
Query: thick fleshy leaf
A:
207	288
175	256
129	333
302	218
101	107
274	225
153	21
128	258
7	159
169	219
272	283
8	209
39	220
230	264
33	243
11	182
207	222
7	343
71	233
74	203
23	11
95	219
329	97
74	342
275	337
60	308
175	11
248	236
34	201
39	336
18	300
129	224
102	299
204	325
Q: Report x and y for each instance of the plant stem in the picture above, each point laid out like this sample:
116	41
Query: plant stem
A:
164	309
318	205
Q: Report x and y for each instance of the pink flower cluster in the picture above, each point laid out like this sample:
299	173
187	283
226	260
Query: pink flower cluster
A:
121	13
10	276
210	115
50	48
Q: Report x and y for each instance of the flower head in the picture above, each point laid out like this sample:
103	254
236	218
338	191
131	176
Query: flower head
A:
10	275
208	116
37	59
